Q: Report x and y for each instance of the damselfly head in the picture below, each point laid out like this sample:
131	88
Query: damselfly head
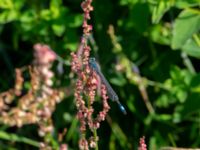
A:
93	63
92	59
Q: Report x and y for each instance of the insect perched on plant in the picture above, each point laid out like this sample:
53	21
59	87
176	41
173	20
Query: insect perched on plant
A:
111	93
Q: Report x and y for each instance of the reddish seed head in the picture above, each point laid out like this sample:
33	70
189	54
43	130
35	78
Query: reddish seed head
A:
142	146
83	144
44	54
87	83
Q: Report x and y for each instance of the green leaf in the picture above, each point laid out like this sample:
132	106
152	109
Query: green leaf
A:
187	23
163	101
74	21
18	4
185	4
6	4
17	138
192	48
160	9
8	16
163	117
128	2
161	34
28	17
55	8
58	29
45	14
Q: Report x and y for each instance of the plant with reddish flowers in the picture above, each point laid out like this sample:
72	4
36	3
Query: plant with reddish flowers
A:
142	145
52	100
86	87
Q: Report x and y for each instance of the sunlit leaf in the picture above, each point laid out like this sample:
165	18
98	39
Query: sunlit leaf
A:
58	29
187	23
55	8
6	4
191	48
186	3
8	16
160	9
45	14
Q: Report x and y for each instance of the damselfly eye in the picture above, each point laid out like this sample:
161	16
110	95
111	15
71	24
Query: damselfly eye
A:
92	59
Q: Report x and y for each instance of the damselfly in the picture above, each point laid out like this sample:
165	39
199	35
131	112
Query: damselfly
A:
111	93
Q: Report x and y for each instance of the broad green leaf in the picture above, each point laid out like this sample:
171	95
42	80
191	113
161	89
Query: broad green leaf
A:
186	3
187	23
160	9
8	16
45	14
58	29
18	4
55	8
28	17
6	4
192	48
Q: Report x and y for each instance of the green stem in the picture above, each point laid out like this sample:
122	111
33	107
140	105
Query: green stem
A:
172	140
96	138
146	99
188	63
156	84
17	138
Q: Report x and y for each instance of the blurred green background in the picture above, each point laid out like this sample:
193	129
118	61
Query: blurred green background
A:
160	38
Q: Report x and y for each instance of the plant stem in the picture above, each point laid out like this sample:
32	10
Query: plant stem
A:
96	139
188	63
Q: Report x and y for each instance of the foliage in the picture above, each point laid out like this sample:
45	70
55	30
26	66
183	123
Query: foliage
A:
149	50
